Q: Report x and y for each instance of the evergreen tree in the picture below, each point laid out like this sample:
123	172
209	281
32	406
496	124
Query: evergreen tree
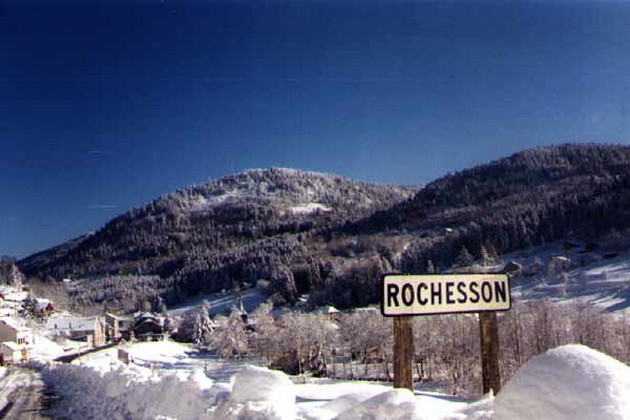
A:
16	278
464	258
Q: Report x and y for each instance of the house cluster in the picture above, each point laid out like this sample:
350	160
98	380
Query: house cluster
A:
97	331
12	301
16	340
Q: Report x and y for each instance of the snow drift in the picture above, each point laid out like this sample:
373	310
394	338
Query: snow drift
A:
259	393
399	404
568	382
124	394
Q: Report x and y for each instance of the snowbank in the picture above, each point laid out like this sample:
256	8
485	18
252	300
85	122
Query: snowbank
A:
259	393
331	390
478	410
125	394
568	382
399	404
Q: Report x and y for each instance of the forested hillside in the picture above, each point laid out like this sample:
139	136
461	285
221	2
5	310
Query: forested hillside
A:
530	198
213	236
333	237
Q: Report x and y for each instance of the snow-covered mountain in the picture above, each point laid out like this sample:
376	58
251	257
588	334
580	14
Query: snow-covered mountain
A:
214	236
305	232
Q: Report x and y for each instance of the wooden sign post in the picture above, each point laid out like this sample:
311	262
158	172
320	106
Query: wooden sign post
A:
489	333
403	352
407	295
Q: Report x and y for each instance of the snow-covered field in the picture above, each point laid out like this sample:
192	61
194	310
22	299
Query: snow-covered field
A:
569	382
222	303
597	278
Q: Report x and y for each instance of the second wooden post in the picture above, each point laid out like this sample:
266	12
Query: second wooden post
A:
489	332
403	352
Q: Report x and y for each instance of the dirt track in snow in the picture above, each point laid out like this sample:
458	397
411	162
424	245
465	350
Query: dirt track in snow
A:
23	395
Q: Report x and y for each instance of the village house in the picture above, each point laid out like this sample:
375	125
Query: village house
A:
12	300
15	342
91	329
148	327
12	353
117	327
5	312
10	330
44	307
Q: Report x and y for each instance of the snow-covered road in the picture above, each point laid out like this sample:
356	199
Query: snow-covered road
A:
24	395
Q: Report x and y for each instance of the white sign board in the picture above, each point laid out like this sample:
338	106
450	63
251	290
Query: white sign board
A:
444	293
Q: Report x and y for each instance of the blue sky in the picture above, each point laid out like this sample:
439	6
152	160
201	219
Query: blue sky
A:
105	105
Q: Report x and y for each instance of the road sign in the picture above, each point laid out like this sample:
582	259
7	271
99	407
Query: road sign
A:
444	293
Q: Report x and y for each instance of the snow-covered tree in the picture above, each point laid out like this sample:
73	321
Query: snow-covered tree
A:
230	338
264	329
16	278
486	259
464	258
196	326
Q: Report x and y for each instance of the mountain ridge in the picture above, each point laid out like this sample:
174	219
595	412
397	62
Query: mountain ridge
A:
209	237
309	232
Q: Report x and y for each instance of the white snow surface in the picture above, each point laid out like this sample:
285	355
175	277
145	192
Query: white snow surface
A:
260	393
309	208
45	349
222	303
396	404
126	394
568	382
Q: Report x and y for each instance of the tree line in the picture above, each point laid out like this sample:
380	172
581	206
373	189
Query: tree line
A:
358	344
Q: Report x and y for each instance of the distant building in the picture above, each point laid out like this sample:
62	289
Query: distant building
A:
12	299
44	307
117	327
10	330
12	353
90	330
148	326
4	312
13	296
15	342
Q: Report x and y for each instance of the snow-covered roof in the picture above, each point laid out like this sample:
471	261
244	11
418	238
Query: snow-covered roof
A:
13	324
16	296
145	315
73	324
13	345
42	303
